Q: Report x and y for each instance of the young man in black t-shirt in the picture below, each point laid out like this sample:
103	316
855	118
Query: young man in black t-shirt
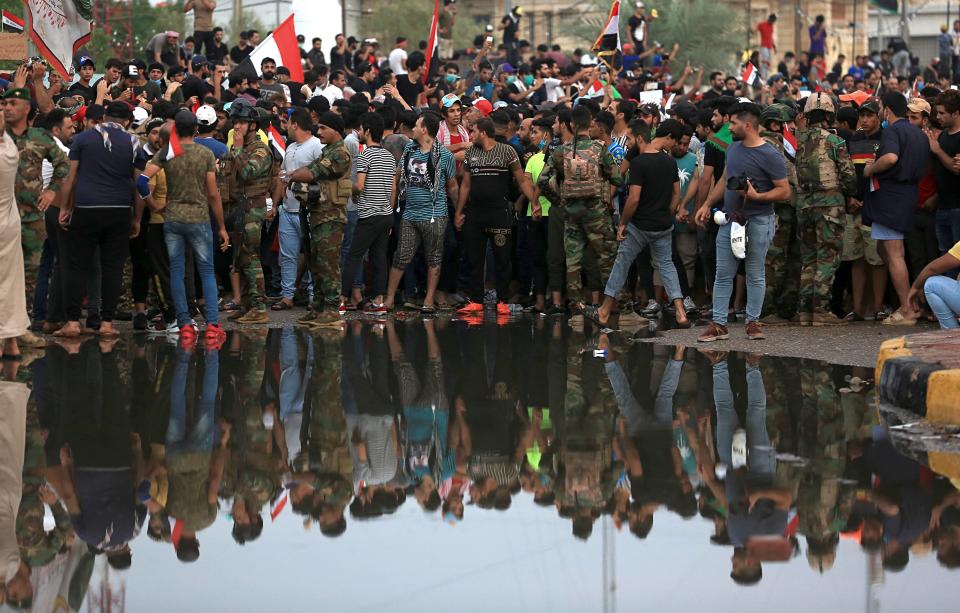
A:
647	219
487	174
944	149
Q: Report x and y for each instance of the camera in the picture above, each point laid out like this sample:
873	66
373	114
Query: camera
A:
737	184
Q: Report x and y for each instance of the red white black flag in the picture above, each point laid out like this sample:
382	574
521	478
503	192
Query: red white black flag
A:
433	46
282	47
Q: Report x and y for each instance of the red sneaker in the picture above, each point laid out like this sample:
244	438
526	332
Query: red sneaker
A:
471	308
503	309
215	332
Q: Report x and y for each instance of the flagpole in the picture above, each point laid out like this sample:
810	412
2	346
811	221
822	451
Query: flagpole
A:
27	23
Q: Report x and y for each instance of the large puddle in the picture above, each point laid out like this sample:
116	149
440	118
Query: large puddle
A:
442	466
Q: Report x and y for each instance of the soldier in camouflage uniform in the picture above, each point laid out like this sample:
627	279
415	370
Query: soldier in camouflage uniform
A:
252	163
328	216
826	178
783	261
35	146
588	224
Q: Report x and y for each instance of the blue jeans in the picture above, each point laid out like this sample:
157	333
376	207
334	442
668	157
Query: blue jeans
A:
291	239
200	437
661	249
761	455
943	296
352	218
759	234
200	237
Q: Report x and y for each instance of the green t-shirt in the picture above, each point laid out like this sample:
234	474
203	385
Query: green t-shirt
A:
686	167
535	167
187	200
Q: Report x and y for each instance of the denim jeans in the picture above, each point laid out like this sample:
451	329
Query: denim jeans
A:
200	237
943	296
759	234
348	231
948	228
199	437
661	248
291	239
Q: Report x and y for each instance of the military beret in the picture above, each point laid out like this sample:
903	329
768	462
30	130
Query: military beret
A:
20	93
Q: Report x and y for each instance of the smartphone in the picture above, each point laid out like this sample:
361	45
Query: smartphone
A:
489	40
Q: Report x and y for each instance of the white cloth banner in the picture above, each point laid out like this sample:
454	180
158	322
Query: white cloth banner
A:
58	28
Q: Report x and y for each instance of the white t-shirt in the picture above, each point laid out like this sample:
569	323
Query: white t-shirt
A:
333	93
297	156
554	89
397	58
46	169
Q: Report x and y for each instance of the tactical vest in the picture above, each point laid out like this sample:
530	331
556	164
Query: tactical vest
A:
337	191
582	176
256	188
816	169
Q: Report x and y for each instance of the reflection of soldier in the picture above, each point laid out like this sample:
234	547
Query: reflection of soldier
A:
251	162
826	178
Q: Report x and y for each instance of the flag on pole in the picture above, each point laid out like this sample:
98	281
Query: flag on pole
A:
433	45
790	145
174	148
750	75
277	140
12	23
59	29
607	46
282	47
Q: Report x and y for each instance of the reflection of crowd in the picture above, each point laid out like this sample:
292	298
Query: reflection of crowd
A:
346	426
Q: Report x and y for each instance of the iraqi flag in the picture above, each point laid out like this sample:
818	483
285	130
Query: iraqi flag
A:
874	184
12	23
174	148
595	90
277	140
750	75
607	46
433	45
280	503
790	145
282	47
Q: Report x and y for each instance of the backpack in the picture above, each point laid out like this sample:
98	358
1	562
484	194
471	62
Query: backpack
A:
582	179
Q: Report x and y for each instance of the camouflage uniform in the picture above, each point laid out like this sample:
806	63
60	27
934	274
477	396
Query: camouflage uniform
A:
35	146
327	220
252	166
826	178
783	261
587	223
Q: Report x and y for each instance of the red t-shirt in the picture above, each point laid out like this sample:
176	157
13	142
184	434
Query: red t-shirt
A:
456	139
766	34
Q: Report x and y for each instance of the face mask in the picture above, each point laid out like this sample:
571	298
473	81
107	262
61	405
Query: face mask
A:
511	79
451	78
268	76
528	80
158	81
542	144
884	124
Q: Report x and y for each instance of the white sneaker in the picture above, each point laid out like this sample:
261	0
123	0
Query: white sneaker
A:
652	308
689	305
163	329
738	449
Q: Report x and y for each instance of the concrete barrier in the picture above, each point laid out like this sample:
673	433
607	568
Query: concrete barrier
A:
920	373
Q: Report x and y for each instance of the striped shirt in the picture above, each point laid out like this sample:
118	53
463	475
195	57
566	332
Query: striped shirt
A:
380	167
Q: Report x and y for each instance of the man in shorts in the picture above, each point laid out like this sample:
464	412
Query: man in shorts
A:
427	179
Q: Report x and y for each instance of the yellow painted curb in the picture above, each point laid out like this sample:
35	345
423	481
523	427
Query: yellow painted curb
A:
946	464
943	397
894	343
887	353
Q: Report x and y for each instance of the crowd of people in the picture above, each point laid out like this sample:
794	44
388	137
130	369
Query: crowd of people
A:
595	186
342	428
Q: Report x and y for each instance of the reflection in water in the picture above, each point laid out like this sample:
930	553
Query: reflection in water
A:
772	458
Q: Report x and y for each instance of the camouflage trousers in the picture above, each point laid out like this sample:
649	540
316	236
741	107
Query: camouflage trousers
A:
783	264
248	261
587	228
32	236
820	230
325	241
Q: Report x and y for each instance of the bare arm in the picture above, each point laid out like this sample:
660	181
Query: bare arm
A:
524	182
884	162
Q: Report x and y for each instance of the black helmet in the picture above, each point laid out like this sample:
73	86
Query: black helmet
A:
241	110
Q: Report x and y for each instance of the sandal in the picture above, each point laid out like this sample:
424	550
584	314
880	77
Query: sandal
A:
61	333
897	319
852	316
428	310
230	307
282	305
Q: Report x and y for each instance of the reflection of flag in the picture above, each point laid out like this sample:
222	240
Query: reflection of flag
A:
58	33
277	507
276	139
607	46
174	148
433	47
282	47
790	145
750	74
12	23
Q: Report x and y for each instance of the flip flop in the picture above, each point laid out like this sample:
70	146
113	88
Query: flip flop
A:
281	306
61	333
428	310
897	319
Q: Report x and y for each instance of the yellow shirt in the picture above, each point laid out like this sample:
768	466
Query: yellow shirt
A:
158	187
955	251
260	133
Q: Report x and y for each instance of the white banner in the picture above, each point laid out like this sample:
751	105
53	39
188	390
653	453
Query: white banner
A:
58	28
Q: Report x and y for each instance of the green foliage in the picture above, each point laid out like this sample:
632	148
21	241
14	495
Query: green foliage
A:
710	33
389	19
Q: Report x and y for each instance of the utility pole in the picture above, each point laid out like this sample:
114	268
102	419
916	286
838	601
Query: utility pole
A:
797	27
749	26
237	18
904	26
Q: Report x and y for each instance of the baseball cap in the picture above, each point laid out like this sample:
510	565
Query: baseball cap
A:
140	115
500	104
483	105
650	108
132	71
86	60
685	111
449	100
872	104
206	115
918	105
199	60
489	27
332	121
505	67
185	119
